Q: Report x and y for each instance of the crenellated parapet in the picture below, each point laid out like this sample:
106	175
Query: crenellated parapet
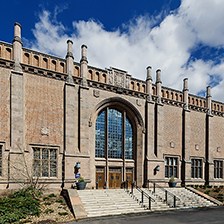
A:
15	56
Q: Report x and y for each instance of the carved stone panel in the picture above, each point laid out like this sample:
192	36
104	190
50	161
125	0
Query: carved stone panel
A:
45	131
96	93
118	78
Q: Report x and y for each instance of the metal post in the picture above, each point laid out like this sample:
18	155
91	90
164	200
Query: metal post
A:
148	184
142	197
132	185
174	201
149	203
154	188
166	196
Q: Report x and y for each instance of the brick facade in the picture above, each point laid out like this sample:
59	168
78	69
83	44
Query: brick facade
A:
53	103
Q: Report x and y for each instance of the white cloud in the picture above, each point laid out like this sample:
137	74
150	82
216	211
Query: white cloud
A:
141	43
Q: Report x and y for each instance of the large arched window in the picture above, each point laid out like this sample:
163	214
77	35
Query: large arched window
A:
113	134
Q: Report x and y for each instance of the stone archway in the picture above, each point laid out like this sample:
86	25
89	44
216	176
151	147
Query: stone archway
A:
133	165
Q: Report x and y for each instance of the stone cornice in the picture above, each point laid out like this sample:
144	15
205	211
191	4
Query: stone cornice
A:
43	72
116	89
6	63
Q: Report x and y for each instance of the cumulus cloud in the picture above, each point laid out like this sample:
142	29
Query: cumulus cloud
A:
167	44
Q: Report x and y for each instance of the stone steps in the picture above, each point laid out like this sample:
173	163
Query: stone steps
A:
187	198
117	201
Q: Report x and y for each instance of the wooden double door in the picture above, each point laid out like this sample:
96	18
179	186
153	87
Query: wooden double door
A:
114	178
100	177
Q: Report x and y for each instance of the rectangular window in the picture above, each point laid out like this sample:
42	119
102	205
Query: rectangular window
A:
0	160
218	171
196	168
44	162
171	167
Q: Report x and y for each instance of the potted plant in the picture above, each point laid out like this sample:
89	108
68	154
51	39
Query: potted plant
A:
81	183
172	182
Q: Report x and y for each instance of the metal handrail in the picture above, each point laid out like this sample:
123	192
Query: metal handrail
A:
143	193
175	198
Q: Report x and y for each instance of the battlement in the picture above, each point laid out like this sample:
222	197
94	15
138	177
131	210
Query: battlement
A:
56	67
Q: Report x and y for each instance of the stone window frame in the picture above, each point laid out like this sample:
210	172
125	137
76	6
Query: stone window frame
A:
41	147
172	165
196	170
218	169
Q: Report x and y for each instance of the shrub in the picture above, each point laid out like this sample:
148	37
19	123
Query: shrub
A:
207	192
18	206
220	194
59	201
81	179
46	198
63	213
47	203
52	196
217	190
49	210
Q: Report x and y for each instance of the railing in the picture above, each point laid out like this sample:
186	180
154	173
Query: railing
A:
126	184
175	198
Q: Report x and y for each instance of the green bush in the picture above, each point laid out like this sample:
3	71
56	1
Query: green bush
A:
47	203
52	196
63	213
81	179
220	194
59	201
217	190
207	192
172	179
18	206
49	210
46	198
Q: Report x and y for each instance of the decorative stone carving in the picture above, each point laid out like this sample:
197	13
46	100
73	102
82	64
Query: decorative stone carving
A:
172	145
118	78
45	131
96	93
138	102
128	78
218	149
196	147
111	78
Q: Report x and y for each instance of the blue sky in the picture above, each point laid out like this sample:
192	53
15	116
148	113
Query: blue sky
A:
182	38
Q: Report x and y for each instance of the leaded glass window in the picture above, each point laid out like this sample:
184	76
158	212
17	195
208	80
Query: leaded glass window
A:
196	168
100	136
44	162
114	133
171	167
128	140
218	169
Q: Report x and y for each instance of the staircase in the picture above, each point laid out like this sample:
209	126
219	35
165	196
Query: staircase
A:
117	201
108	202
187	199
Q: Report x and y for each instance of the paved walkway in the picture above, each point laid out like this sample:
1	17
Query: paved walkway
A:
196	216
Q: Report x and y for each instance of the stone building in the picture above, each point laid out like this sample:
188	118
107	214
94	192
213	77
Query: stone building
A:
56	112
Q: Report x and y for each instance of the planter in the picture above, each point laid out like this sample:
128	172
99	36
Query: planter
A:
172	184
81	185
